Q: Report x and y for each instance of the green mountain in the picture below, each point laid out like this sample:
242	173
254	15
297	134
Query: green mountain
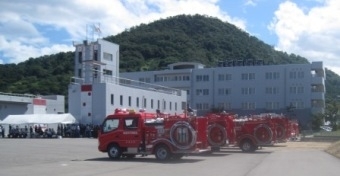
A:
152	47
192	38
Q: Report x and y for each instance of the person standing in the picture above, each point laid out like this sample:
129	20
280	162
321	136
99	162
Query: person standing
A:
1	130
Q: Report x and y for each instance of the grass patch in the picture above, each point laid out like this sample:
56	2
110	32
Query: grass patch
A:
326	133
334	149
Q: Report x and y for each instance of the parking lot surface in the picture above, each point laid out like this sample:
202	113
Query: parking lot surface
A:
79	156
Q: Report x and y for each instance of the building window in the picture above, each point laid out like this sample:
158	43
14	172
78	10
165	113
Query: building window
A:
298	104
205	91
220	105
95	72
107	56
137	101
170	106
186	78
201	92
292	75
272	90
184	105
112	99
228	77
296	90
248	106
107	72
164	105
121	100
95	55
202	106
224	106
248	91
276	75
80	57
205	77
248	76
144	103
159	78
205	106
221	77
228	91
220	91
80	73
199	106
158	104
301	74
300	90
129	100
292	90
151	103
175	106
200	78
272	105
272	75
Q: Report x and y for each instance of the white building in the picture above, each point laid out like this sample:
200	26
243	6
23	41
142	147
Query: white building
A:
16	104
96	89
297	90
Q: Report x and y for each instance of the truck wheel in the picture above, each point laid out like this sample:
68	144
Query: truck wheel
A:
247	146
162	153
114	152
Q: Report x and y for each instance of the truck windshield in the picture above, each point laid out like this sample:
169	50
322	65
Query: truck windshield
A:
110	124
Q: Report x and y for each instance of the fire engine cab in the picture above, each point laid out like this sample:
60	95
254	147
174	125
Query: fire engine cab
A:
127	133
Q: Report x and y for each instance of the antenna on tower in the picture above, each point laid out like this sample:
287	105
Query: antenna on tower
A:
93	31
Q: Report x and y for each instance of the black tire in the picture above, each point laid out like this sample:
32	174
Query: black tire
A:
177	156
247	146
162	153
129	156
114	152
215	149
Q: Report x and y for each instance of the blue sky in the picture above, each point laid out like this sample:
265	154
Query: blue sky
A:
310	28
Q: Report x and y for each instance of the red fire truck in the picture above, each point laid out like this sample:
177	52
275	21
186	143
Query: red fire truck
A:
128	133
248	133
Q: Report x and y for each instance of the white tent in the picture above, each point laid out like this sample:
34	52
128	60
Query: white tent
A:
39	119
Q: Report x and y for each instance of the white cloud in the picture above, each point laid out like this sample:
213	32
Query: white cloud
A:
312	33
250	3
20	37
20	51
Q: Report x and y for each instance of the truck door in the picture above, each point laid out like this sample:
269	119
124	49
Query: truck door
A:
132	132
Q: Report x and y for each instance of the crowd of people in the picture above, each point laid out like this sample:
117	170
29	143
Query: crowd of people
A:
78	130
42	131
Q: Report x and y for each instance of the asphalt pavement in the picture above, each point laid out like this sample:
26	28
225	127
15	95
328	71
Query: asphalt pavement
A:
80	157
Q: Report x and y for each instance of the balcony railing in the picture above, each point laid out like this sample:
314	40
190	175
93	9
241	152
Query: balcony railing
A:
130	83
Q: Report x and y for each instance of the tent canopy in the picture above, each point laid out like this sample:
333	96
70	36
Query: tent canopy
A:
39	119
